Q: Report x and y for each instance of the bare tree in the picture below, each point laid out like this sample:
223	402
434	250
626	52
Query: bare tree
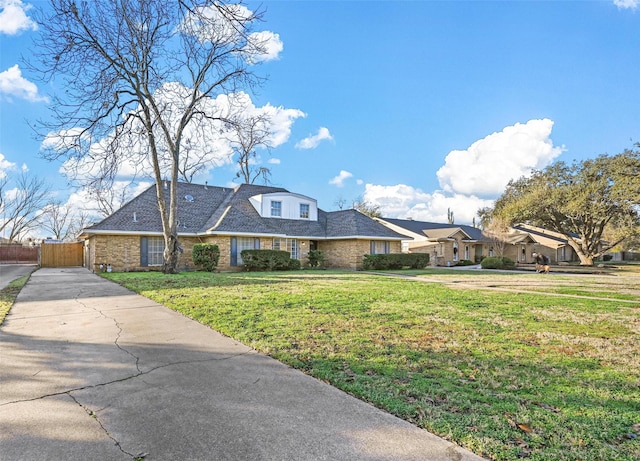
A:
63	221
340	202
141	76
249	133
498	231
55	219
20	205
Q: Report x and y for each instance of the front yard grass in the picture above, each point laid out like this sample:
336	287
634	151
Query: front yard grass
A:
9	294
508	375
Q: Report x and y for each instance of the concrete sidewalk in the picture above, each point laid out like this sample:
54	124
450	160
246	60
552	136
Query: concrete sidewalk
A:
92	371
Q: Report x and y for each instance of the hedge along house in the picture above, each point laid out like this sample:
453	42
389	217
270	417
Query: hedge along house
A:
245	217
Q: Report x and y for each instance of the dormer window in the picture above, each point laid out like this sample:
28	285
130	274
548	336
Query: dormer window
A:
276	208
304	210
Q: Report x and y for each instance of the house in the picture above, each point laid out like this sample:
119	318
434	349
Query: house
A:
552	244
448	244
245	217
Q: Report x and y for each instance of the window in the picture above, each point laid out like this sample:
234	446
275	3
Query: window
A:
276	208
245	243
304	210
151	251
379	247
290	245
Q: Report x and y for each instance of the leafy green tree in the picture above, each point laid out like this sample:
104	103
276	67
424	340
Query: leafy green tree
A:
583	201
370	209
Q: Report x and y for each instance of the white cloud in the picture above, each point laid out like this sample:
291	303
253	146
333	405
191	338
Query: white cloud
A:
13	84
274	161
208	144
269	45
313	141
485	168
13	17
5	165
339	180
403	201
627	4
473	178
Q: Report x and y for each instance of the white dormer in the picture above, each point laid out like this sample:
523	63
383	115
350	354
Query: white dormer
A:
285	205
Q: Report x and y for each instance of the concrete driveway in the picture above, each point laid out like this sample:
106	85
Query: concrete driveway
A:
92	371
10	272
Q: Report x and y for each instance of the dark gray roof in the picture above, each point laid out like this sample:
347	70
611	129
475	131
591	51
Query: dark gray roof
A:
206	209
354	223
419	227
195	204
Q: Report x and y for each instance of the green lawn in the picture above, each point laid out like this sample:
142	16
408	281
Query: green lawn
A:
9	294
509	375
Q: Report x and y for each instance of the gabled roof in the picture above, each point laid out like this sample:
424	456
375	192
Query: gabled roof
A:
207	210
542	233
436	230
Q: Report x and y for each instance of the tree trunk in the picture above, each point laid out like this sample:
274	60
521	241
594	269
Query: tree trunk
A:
171	255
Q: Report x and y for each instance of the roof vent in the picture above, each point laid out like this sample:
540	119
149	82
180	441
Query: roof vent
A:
135	217
206	183
189	198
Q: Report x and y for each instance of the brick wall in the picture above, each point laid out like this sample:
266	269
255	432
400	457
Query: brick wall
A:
348	254
123	252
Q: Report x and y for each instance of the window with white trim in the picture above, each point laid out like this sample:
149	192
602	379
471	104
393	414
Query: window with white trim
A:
276	208
244	243
304	210
290	245
155	251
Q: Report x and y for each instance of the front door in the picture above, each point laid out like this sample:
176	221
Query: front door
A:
478	253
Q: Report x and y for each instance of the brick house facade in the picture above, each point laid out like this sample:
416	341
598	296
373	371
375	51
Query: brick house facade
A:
247	216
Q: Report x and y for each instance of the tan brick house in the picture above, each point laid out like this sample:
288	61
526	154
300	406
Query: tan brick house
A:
244	217
448	244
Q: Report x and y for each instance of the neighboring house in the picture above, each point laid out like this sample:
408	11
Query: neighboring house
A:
550	243
245	217
448	244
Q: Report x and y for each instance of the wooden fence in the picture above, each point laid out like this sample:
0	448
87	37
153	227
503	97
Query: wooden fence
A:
18	254
61	254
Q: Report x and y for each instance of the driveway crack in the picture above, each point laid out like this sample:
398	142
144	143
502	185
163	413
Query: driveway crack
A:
95	416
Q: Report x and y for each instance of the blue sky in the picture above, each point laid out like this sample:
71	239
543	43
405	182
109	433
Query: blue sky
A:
416	106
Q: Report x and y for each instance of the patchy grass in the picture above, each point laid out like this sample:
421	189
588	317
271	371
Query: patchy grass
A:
509	375
9	294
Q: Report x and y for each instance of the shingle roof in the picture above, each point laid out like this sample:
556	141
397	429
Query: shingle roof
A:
353	223
422	227
195	204
206	209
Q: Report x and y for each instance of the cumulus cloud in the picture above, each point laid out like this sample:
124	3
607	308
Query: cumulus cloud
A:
205	144
485	167
313	141
5	165
268	44
473	178
13	17
210	24
339	180
403	201
627	4
13	84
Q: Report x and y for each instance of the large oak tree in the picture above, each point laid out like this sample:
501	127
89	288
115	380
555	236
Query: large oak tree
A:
135	79
584	201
